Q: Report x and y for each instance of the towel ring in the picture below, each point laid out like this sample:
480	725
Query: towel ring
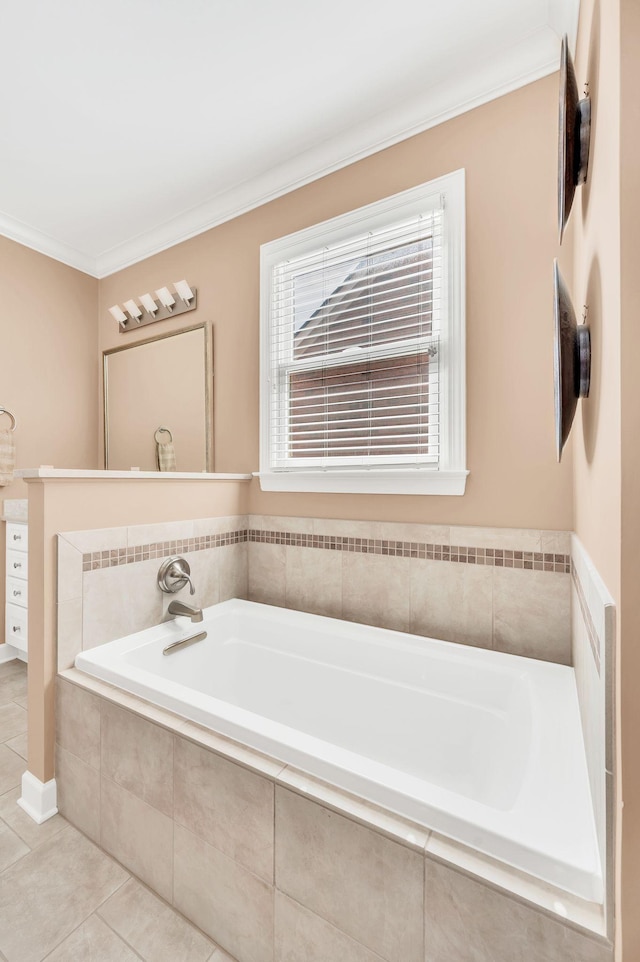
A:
160	431
10	415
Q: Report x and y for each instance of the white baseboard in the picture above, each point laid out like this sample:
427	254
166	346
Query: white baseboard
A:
39	799
7	653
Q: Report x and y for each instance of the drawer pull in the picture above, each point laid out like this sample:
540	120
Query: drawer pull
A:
17	537
16	594
15	628
17	564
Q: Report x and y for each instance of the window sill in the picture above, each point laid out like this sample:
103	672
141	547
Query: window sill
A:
413	481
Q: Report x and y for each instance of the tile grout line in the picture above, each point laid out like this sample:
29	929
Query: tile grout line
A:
15	752
100	769
31	848
424	897
91	914
274	885
173	819
274	845
111	928
336	928
168	905
493	612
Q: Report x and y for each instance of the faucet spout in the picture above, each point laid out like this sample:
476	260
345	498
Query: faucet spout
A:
188	611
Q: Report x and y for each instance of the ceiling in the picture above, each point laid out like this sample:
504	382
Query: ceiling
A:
129	125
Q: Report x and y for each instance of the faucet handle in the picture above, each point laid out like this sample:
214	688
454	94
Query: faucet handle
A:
174	574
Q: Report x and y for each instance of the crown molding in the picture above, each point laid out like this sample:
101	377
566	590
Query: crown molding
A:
43	243
533	57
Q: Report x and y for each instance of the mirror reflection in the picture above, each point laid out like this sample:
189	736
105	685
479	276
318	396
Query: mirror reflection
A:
157	403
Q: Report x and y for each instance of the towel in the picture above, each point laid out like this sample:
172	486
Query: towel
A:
7	457
165	456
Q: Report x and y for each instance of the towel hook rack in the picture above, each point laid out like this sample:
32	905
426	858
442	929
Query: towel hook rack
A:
166	431
9	415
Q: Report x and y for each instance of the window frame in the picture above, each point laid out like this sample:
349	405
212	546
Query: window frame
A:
448	476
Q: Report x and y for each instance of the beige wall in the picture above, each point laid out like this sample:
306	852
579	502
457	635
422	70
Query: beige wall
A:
73	505
629	662
508	148
49	367
595	228
606	450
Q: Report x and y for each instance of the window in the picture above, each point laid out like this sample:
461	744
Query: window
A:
362	349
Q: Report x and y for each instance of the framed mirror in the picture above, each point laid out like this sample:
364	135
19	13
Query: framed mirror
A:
158	401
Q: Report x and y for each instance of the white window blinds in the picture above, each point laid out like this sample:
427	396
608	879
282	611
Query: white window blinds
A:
362	349
354	349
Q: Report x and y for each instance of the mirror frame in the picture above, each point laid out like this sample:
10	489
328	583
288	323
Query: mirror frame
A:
208	386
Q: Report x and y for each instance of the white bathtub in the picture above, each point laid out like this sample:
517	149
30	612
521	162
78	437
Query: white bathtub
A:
481	746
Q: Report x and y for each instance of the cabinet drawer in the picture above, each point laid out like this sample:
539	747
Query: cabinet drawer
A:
16	626
17	592
17	564
17	536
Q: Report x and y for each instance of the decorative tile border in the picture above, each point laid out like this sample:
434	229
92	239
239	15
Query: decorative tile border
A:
458	554
497	557
160	549
592	634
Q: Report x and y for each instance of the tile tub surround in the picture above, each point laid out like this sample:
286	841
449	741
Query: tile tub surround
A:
277	867
593	648
62	898
507	589
107	578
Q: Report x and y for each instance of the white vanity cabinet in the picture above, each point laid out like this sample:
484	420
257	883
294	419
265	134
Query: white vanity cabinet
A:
16	588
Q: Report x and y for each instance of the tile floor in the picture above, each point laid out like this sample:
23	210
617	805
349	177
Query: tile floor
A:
62	899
